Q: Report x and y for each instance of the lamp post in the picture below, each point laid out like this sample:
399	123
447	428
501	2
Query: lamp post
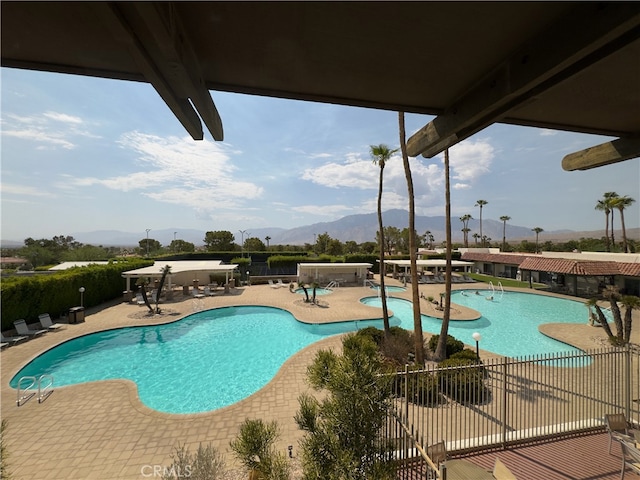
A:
81	290
148	230
477	337
242	232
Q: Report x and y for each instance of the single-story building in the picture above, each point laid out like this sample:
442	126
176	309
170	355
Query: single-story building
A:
428	266
334	274
184	272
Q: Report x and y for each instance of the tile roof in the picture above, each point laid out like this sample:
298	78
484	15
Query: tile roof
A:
494	257
572	267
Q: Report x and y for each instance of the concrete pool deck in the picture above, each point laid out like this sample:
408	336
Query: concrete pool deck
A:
101	430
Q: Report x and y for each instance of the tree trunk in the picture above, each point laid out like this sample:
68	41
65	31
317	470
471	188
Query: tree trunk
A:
441	349
413	250
383	293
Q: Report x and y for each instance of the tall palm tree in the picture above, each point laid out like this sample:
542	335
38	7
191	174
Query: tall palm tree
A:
465	228
630	302
166	270
267	238
610	198
380	155
537	230
476	236
603	206
505	219
481	203
413	248
441	348
621	203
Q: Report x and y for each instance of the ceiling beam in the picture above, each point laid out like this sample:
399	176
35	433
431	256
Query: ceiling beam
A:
590	32
604	154
158	43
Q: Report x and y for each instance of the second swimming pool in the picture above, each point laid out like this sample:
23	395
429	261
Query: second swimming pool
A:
218	357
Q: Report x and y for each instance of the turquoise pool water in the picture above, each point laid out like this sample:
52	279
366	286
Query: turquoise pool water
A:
218	357
391	288
319	291
508	325
203	362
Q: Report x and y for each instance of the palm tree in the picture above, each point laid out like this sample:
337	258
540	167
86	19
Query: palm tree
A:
465	228
166	270
413	248
610	198
380	155
441	348
429	236
621	203
476	236
505	219
267	238
537	230
629	302
603	206
481	203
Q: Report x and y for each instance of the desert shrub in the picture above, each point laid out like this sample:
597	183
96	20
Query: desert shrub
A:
206	464
453	345
255	448
373	333
463	382
466	354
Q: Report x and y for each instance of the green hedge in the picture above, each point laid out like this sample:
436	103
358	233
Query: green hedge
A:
27	297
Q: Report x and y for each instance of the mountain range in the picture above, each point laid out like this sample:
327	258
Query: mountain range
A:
359	228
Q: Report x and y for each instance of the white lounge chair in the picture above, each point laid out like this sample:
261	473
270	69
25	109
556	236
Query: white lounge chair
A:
13	340
139	299
280	284
273	285
23	329
46	322
208	292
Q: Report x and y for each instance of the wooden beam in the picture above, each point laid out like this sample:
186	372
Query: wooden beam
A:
589	33
604	154
156	41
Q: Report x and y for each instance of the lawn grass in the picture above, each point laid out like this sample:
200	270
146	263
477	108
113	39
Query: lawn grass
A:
506	282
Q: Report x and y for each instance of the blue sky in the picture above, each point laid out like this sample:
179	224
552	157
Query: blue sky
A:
82	154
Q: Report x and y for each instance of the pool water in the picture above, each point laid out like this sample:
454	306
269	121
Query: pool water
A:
203	362
218	357
319	291
391	288
508	325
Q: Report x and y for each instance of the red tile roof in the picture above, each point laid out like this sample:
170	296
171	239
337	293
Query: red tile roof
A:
572	267
511	259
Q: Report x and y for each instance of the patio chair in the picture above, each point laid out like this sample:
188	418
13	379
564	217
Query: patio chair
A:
501	472
207	291
139	299
273	285
618	428
23	329
12	340
280	283
438	455
630	458
46	322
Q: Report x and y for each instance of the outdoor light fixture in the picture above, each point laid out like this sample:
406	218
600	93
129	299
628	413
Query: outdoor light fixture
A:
290	447
81	290
477	337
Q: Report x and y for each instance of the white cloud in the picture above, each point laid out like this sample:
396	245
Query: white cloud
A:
26	190
324	210
62	117
546	132
180	171
470	159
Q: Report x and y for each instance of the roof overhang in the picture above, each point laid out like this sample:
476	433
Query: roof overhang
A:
561	65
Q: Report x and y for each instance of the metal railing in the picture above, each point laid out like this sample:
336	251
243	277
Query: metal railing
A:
509	401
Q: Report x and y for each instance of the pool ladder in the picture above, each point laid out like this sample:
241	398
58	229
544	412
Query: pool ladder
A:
26	388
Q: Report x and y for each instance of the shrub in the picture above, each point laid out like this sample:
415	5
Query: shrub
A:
466	354
254	448
453	345
373	333
206	464
464	382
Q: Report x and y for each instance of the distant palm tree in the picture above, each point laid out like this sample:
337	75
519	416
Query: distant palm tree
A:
380	155
621	203
481	203
267	238
413	248
610	198
465	228
476	236
604	206
505	219
537	230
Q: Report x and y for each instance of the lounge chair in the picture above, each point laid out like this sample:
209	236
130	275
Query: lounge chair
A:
46	322
618	428
501	472
280	284
208	292
3	345
13	340
273	285
23	329
630	458
139	299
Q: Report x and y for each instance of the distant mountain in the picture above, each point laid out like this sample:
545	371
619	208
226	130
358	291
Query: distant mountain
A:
359	228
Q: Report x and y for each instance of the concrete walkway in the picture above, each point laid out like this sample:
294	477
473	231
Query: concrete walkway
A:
101	430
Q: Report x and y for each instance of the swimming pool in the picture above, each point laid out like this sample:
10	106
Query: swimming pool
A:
319	291
218	357
391	288
508	325
203	362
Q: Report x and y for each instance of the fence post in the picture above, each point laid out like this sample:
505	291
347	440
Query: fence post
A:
627	381
504	402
